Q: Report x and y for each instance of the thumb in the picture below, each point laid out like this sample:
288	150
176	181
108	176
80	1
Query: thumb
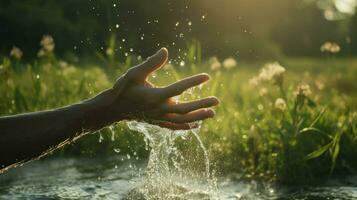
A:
151	64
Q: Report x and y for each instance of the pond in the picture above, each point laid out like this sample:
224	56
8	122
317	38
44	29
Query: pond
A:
111	178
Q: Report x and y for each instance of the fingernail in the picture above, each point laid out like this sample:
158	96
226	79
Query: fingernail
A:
210	112
163	50
216	101
207	76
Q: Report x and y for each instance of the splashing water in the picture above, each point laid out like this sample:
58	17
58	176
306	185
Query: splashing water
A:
166	178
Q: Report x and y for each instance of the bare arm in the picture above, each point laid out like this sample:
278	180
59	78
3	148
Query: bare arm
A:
27	136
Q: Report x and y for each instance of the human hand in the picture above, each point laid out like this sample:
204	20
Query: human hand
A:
134	97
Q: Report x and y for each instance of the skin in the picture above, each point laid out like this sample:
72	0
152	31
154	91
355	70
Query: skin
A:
29	136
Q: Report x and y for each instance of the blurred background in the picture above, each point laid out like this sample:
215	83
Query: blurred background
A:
291	121
248	29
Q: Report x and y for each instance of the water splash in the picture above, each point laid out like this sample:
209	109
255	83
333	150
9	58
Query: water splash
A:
166	177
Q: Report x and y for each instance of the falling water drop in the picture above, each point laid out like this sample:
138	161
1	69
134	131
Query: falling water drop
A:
100	138
182	63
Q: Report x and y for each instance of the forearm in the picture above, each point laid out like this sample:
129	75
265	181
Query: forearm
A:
27	136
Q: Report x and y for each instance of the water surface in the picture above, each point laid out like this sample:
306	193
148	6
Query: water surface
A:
112	178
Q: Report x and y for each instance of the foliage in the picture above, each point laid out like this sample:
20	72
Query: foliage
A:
294	125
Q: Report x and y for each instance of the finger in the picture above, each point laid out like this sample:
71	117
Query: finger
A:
182	85
154	62
189	117
187	107
174	126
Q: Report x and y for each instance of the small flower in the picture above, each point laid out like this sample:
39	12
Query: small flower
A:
41	53
280	104
330	47
272	71
229	63
47	43
16	53
303	90
47	46
263	91
214	63
254	82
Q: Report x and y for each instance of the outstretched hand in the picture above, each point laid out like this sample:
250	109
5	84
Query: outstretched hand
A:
134	97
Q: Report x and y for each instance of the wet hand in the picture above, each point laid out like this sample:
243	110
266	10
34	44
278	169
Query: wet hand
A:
134	97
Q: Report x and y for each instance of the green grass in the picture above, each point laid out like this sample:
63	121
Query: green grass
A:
313	138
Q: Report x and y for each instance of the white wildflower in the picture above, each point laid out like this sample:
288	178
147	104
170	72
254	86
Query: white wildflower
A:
280	104
214	63
47	46
271	71
263	91
41	53
229	63
254	81
16	53
330	47
303	90
47	43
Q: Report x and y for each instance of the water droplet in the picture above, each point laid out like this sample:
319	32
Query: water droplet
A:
116	150
114	5
177	24
189	23
131	49
116	25
182	63
200	86
100	138
37	76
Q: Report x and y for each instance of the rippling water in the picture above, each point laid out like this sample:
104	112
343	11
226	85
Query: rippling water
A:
111	178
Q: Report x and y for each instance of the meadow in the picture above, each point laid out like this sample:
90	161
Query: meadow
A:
291	121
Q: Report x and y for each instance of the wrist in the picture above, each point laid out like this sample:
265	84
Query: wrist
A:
101	110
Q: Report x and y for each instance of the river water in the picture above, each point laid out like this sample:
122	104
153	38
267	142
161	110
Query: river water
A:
111	178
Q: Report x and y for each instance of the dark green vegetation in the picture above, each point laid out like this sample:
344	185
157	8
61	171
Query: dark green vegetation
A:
251	29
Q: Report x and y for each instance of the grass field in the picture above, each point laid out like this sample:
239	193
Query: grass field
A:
293	122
